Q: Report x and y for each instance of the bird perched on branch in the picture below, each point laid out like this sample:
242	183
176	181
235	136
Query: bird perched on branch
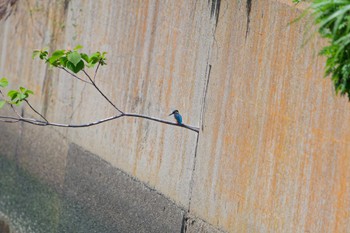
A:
177	116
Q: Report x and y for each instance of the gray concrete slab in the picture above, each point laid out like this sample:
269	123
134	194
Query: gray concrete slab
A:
116	199
196	225
42	151
9	136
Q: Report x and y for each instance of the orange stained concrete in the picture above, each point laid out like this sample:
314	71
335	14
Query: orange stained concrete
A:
273	153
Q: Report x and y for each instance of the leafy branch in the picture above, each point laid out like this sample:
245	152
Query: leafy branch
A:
333	20
72	62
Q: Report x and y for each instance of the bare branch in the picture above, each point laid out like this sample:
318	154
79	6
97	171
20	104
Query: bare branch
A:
75	76
195	129
104	96
35	110
46	123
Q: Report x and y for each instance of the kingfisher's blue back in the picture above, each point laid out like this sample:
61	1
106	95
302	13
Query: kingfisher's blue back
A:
178	118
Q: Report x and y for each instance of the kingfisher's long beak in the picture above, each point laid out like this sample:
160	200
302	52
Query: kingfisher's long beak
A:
171	114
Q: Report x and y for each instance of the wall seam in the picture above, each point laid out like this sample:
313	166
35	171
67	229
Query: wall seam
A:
216	5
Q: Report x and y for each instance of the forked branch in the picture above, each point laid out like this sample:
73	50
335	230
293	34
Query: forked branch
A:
71	60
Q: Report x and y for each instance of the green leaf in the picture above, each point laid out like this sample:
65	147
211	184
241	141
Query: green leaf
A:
63	61
43	55
22	96
85	57
94	58
78	47
2	103
58	53
22	89
103	61
36	53
29	92
76	68
80	66
12	94
3	82
74	58
70	66
55	57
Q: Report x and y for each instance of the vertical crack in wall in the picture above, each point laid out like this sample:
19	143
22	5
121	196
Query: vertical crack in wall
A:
214	13
184	223
207	74
186	215
249	8
215	10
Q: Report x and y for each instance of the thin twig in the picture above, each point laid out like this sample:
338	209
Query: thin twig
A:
44	123
11	105
14	119
13	108
9	121
98	65
75	76
35	110
87	124
104	96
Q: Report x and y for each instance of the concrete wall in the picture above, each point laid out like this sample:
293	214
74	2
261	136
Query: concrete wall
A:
272	152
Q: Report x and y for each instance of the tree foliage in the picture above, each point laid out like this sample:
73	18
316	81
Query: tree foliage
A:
333	19
71	59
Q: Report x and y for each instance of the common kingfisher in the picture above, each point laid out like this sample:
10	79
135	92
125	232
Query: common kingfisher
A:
177	116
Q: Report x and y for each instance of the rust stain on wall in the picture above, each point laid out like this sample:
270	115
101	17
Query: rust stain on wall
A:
269	155
273	150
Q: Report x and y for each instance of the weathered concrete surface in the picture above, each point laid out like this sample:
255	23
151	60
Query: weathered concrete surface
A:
43	152
272	152
116	199
9	137
196	225
157	58
153	68
273	155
